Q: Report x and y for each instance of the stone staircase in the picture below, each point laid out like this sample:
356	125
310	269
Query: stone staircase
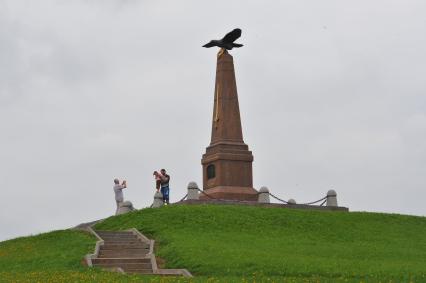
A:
123	250
127	252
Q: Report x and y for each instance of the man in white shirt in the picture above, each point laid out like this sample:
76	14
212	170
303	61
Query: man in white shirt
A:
118	190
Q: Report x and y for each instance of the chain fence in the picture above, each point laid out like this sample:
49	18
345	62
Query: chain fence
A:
324	199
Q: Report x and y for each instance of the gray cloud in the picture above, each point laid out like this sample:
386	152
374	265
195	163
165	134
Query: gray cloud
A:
331	96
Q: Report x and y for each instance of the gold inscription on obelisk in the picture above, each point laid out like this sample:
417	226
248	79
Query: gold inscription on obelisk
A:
217	94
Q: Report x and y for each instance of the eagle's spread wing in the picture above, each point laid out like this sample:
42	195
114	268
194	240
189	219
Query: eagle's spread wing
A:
210	44
232	36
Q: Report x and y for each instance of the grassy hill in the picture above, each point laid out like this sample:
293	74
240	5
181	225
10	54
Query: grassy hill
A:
237	243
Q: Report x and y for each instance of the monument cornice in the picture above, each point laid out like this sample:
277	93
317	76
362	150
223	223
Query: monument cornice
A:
248	157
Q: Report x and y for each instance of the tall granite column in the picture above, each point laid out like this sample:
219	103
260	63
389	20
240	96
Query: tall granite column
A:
227	163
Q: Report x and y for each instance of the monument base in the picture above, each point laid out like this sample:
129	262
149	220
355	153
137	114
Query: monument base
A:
230	193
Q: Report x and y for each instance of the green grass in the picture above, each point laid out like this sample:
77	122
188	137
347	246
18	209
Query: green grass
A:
239	241
58	250
238	244
52	257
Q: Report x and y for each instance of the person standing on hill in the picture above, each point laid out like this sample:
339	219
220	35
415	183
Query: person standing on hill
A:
118	191
164	183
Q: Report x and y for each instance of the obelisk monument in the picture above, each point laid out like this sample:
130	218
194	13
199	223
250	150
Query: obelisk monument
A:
227	163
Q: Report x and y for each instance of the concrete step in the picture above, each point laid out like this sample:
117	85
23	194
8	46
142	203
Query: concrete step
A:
135	256
120	239
140	271
125	266
141	250
116	254
127	237
120	260
118	236
123	248
114	232
115	243
123	242
131	251
109	246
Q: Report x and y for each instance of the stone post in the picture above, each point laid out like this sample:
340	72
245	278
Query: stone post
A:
331	198
263	196
158	200
291	201
193	191
125	207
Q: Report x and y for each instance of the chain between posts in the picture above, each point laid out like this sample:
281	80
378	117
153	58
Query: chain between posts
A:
182	199
313	202
306	203
277	198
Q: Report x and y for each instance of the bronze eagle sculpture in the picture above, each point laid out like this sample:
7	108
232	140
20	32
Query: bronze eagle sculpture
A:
227	42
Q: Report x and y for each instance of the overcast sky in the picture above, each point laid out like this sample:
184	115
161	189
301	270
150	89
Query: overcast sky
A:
332	95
